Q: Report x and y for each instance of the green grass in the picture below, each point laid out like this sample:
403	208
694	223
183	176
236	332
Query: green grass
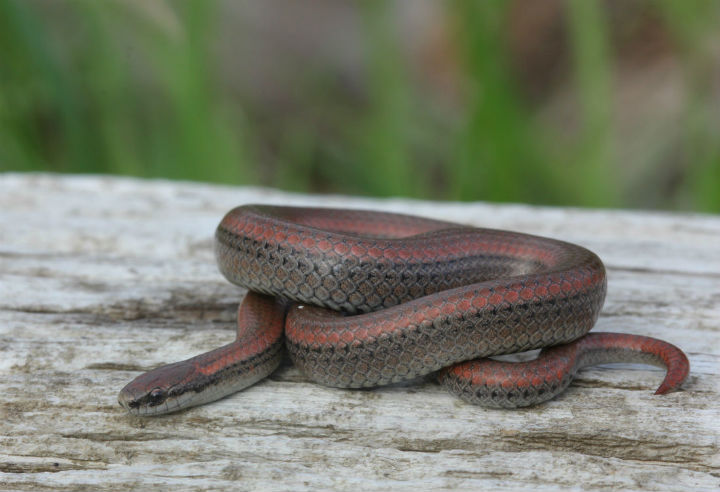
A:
136	89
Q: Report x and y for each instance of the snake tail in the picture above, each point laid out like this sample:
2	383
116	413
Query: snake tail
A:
499	384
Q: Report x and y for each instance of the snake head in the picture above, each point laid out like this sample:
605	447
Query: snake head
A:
158	391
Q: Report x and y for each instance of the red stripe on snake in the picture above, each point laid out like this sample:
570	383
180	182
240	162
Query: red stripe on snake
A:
371	298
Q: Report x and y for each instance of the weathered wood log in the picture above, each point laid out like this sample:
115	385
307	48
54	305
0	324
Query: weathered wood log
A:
101	278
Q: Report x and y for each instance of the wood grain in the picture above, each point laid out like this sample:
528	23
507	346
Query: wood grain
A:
101	278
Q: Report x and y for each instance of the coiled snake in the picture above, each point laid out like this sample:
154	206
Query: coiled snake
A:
364	298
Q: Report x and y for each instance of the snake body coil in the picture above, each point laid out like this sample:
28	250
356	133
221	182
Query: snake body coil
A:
379	298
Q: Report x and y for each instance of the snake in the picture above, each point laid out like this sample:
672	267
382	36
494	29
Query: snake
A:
361	298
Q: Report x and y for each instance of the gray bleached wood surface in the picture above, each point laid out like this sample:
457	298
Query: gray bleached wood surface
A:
102	278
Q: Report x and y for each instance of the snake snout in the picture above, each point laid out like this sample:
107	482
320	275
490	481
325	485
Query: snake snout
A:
127	400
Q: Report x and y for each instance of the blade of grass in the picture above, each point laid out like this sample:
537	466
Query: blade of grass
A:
33	69
384	159
594	163
201	139
693	25
109	90
496	159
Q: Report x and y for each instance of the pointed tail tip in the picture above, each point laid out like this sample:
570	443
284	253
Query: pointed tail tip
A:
678	369
664	388
672	382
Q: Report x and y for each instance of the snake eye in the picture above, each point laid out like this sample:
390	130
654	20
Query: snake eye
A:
156	396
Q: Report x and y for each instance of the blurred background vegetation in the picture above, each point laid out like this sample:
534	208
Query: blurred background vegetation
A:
575	102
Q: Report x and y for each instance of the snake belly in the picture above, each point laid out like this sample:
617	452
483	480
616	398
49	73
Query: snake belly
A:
378	298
